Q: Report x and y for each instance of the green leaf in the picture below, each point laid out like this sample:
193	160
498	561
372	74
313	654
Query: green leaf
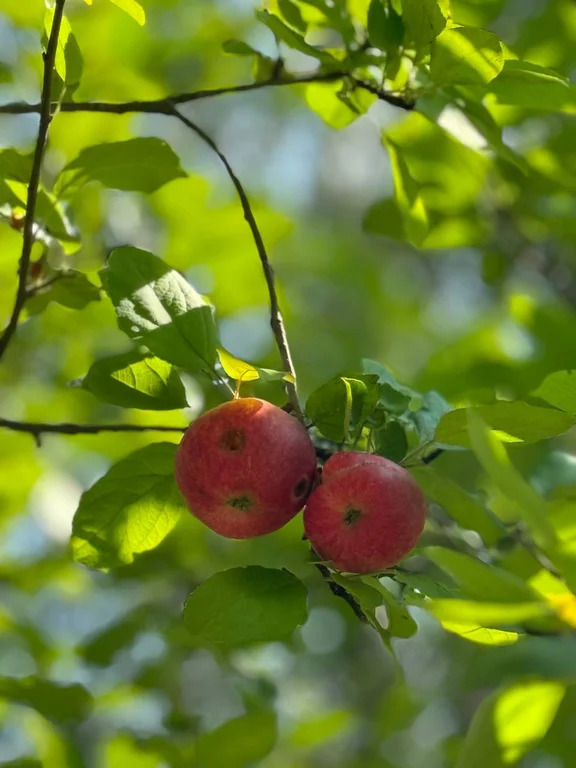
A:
496	463
385	26
332	406
246	740
336	104
72	290
136	380
523	84
391	441
515	422
239	48
139	165
486	614
68	62
559	389
48	213
56	702
467	56
509	723
128	511
463	508
400	622
291	12
158	307
367	597
133	9
431	413
423	21
101	648
481	635
291	38
481	581
246	605
407	195
241	371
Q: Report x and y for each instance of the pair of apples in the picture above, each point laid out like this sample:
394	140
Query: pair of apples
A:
247	467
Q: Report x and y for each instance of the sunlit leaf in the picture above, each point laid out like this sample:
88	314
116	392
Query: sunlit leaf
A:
408	197
559	389
128	511
481	635
136	380
133	9
337	105
509	723
246	605
465	55
159	308
241	371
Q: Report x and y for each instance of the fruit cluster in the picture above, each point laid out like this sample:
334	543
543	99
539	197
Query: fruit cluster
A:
247	467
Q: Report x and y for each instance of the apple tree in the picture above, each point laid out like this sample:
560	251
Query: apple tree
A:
287	387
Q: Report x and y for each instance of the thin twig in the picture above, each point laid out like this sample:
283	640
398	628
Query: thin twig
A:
339	591
165	105
276	319
63	428
45	109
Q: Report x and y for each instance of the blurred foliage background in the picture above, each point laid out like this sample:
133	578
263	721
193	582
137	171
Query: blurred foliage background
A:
484	308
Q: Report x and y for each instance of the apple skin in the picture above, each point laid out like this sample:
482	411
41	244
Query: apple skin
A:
367	514
245	468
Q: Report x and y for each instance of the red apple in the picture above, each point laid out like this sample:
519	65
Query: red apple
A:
245	468
367	514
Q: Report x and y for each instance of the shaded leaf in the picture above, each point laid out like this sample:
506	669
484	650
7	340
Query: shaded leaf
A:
139	165
423	21
239	742
56	702
514	422
461	506
480	580
246	605
391	442
292	38
73	290
385	26
523	84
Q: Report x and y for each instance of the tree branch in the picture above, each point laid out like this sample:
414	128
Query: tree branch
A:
276	319
165	105
37	429
45	109
339	591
